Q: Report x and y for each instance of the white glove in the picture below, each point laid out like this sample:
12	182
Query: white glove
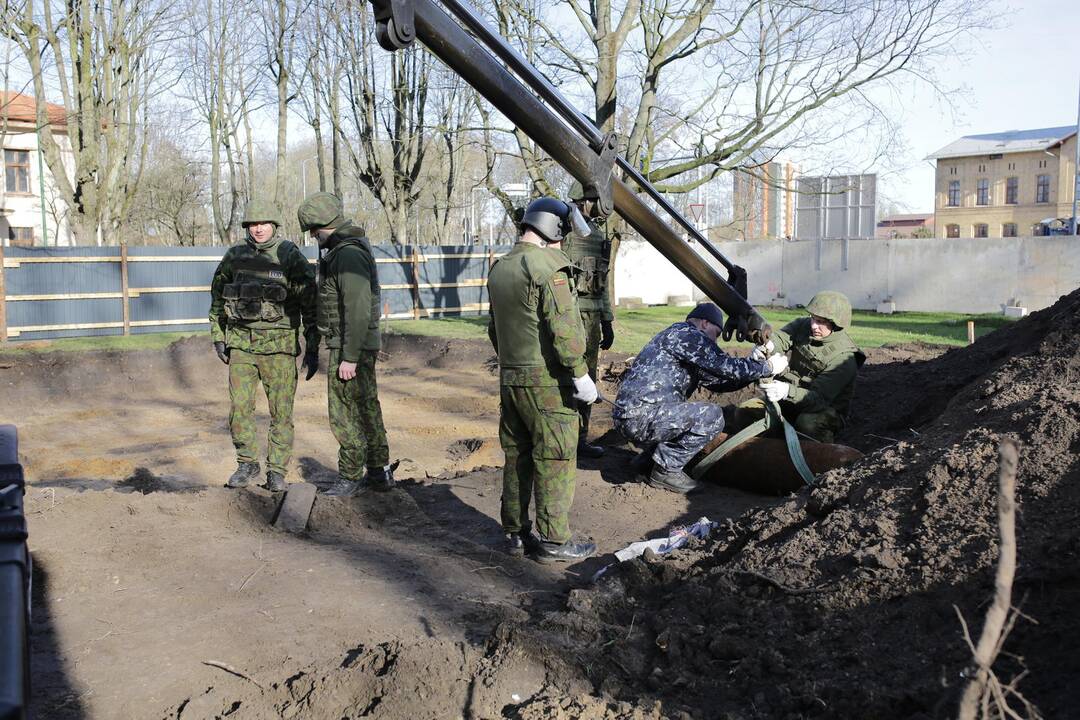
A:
777	364
585	389
760	352
776	390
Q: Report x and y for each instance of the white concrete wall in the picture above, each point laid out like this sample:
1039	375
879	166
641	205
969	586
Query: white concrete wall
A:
958	275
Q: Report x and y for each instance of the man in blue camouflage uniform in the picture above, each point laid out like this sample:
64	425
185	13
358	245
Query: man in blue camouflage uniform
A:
651	409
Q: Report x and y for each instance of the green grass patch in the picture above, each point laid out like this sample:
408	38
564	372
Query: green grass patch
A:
633	329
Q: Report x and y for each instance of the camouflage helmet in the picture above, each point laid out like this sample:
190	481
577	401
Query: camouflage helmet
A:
833	306
320	210
260	212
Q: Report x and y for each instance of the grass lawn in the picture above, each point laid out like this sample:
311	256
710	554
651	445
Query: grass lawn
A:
633	329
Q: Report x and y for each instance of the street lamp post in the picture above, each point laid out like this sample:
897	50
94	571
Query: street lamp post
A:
1076	167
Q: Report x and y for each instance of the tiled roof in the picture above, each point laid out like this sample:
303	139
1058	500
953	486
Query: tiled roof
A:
16	107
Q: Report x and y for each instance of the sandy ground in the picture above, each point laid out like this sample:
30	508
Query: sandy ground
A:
149	574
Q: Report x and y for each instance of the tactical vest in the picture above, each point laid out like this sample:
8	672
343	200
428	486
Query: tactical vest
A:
257	295
329	314
592	256
526	351
809	358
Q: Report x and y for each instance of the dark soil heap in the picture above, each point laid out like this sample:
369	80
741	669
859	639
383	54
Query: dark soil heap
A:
844	601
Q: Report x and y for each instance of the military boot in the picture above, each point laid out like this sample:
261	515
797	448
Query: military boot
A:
642	465
586	449
245	473
275	481
673	480
569	551
522	543
343	487
380	478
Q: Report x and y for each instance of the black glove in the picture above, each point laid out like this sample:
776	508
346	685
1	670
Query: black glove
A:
311	362
222	352
607	335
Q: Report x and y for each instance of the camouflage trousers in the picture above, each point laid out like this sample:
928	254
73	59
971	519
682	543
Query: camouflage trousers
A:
591	322
538	430
822	425
277	375
356	416
675	432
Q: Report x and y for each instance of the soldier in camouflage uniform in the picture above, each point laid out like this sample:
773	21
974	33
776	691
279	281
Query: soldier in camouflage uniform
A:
349	310
651	408
535	328
592	256
815	391
263	289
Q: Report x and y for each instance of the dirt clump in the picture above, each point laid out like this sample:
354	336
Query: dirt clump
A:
843	601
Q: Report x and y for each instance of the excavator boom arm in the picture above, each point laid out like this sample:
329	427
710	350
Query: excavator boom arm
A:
566	136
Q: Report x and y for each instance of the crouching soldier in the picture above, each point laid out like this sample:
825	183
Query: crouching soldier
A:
349	309
262	291
816	389
651	409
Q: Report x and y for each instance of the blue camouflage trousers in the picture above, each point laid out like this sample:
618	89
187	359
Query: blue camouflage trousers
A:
676	431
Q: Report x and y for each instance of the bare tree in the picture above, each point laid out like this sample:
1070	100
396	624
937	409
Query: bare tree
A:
98	56
280	22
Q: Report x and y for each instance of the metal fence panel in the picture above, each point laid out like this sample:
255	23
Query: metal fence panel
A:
71	292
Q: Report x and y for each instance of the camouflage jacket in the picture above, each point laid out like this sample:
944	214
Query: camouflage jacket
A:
535	325
260	295
350	302
675	363
822	372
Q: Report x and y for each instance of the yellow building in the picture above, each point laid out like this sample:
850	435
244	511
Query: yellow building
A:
1005	184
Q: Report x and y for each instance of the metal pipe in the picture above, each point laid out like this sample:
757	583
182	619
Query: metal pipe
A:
540	84
465	55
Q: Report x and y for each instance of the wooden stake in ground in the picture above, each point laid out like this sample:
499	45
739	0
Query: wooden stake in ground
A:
985	689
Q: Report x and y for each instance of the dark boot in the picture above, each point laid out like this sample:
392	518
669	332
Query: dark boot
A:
275	481
343	487
569	551
245	473
673	480
380	478
586	449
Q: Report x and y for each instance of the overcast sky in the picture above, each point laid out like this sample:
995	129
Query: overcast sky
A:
1022	75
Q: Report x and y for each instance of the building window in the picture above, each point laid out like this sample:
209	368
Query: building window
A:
952	170
1042	188
954	194
982	168
980	230
982	191
17	170
1008	230
21	236
1012	190
952	231
1042	163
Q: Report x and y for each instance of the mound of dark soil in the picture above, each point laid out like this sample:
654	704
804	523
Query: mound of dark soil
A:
844	601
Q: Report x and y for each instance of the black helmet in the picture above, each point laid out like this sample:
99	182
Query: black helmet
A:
548	217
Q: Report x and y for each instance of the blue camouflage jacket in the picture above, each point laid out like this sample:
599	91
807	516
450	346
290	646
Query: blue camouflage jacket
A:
675	363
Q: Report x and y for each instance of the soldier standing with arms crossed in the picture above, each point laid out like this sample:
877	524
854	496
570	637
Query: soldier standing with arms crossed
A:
262	290
349	309
592	256
535	328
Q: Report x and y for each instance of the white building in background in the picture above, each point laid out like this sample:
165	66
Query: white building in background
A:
31	211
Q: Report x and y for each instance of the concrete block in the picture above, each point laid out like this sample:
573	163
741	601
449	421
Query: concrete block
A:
1015	311
886	308
296	507
631	303
680	301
